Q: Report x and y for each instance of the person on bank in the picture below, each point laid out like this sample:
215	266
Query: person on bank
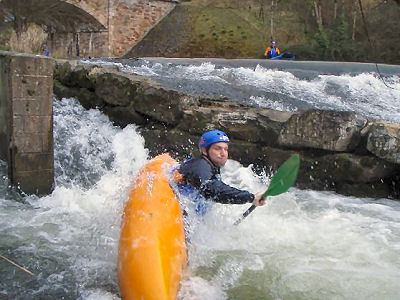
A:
272	51
45	51
202	179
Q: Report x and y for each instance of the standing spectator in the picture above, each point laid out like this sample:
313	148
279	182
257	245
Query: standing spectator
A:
46	51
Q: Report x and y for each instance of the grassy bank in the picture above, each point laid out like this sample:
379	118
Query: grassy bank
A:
233	29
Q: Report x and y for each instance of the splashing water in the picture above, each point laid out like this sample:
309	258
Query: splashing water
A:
301	245
69	239
363	93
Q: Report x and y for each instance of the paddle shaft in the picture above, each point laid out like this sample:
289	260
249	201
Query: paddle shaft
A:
245	214
282	180
248	211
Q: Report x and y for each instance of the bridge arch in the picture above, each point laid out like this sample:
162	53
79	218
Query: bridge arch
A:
62	15
79	28
99	9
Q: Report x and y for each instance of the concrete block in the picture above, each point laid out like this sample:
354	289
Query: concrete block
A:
30	86
37	124
26	128
31	65
47	142
38	182
18	125
5	119
33	161
28	143
31	107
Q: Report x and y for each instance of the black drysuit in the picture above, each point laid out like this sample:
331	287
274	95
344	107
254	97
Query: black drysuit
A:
202	174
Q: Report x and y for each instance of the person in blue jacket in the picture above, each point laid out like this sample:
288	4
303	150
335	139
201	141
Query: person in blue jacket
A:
45	51
202	178
272	51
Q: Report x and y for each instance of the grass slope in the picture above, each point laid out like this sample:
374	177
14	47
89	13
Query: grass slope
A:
205	31
241	29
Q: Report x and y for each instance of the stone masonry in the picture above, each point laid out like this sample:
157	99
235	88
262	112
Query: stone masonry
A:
131	20
123	24
26	125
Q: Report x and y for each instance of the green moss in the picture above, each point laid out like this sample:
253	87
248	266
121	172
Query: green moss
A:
222	21
5	35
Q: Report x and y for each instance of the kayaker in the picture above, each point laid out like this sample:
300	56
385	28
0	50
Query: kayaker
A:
272	51
202	179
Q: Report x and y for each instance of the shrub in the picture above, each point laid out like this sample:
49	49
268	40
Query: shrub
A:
30	41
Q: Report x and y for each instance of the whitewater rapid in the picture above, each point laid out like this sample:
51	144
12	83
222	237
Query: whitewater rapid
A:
301	245
366	93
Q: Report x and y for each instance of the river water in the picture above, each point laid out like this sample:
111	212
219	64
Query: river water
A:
301	245
286	86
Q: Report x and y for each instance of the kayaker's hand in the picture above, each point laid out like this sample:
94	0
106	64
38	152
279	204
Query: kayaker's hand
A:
259	200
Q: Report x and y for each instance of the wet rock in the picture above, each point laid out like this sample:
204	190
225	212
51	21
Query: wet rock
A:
254	125
248	153
384	141
328	130
241	123
72	74
160	104
339	151
320	171
178	143
87	98
368	190
122	116
115	89
82	77
61	91
62	72
347	167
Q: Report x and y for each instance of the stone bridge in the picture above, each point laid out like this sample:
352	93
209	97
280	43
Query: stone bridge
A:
115	26
83	28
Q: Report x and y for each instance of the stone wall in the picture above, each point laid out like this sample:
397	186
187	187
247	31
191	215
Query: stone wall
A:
131	20
340	151
26	124
125	23
81	44
96	8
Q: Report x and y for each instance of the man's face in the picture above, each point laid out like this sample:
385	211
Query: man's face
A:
218	153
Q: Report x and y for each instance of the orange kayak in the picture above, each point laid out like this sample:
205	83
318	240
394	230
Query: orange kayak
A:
152	250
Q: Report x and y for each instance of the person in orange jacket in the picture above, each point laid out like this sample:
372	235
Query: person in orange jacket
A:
272	51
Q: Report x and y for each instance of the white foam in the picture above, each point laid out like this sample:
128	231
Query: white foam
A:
364	93
81	221
301	245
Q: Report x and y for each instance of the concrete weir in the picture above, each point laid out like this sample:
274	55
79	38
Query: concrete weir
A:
26	125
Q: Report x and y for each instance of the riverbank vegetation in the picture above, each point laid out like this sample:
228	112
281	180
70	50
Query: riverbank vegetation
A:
332	30
311	29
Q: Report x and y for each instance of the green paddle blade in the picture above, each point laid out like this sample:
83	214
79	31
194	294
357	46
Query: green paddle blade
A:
284	177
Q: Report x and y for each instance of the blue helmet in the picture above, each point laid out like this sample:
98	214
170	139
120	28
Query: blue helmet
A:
212	137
